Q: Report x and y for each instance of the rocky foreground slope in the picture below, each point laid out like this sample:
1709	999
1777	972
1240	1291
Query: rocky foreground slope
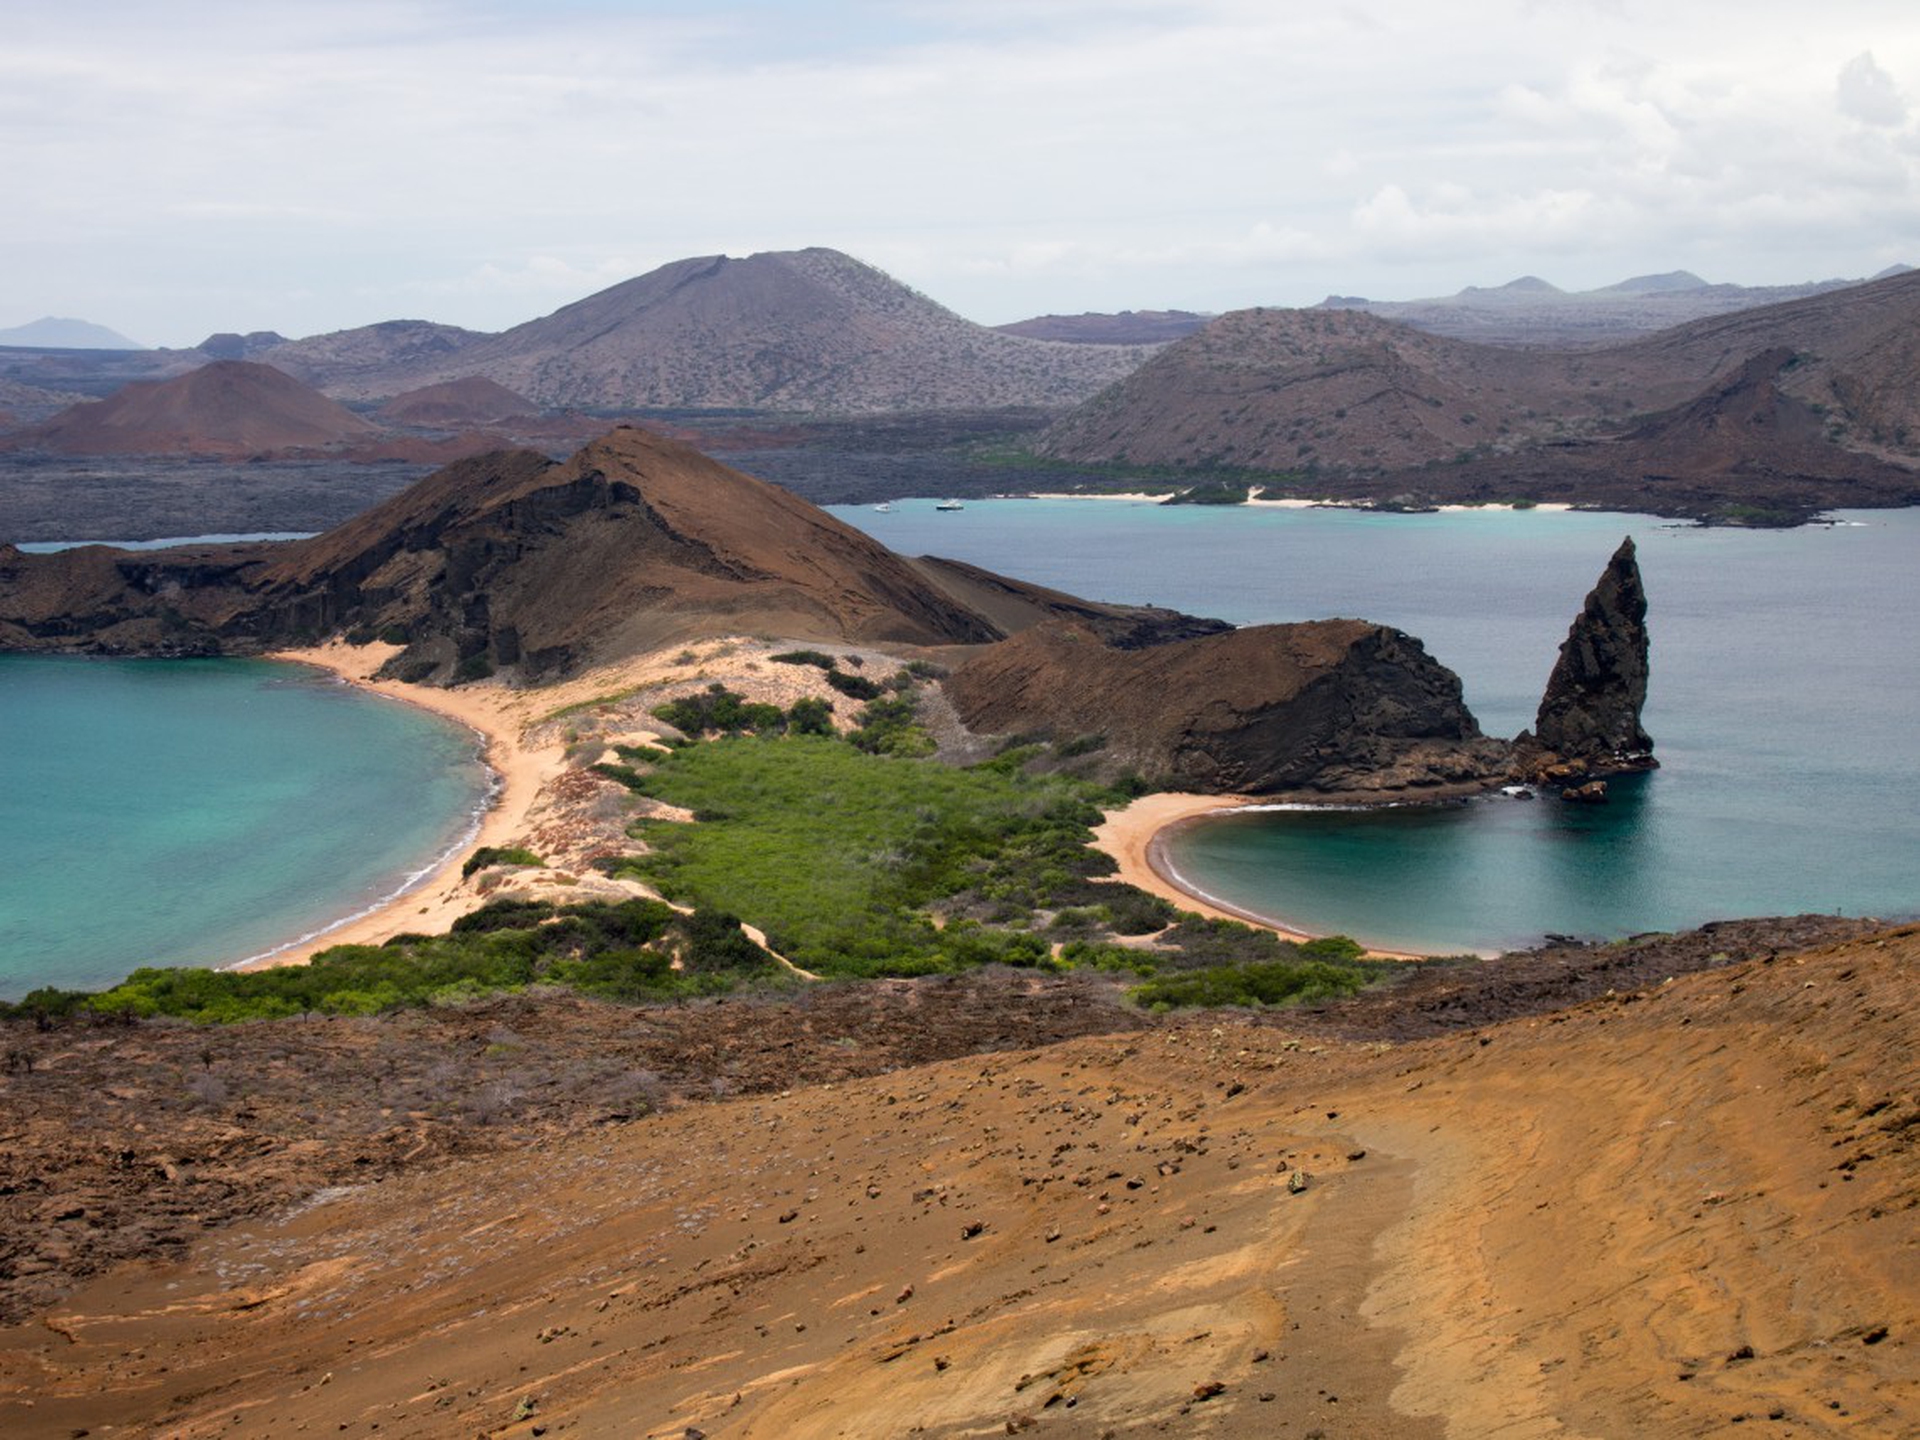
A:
1672	1210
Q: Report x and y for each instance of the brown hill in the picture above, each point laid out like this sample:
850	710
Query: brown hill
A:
456	404
1281	390
1683	1209
805	330
1337	706
229	409
1790	407
512	560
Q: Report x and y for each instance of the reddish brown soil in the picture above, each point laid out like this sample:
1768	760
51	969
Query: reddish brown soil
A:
1664	1211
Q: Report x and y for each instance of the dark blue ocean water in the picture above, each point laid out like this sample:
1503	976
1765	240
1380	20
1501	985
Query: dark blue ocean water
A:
1785	706
202	811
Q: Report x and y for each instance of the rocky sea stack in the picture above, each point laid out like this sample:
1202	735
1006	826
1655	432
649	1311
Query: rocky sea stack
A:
1588	724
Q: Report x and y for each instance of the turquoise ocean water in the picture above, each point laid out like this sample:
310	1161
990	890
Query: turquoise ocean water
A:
202	811
1785	706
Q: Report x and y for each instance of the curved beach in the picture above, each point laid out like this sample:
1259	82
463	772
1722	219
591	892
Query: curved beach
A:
500	717
1136	837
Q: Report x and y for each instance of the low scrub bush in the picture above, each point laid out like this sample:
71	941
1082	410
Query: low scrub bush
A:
1274	982
499	855
622	951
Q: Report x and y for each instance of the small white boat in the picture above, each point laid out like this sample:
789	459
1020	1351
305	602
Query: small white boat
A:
883	508
949	505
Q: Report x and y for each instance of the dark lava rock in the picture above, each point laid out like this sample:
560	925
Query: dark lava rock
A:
1589	719
1328	707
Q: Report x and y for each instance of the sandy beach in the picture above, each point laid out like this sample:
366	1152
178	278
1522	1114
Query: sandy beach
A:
1133	838
501	717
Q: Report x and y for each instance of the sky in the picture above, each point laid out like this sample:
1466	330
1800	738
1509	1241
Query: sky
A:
176	169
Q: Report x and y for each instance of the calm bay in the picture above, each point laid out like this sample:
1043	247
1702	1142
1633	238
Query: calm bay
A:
1786	668
204	811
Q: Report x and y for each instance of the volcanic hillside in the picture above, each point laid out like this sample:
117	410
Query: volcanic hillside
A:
512	559
805	330
229	409
1340	394
340	361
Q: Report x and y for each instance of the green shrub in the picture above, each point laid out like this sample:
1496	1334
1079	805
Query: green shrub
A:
806	657
1276	982
498	855
621	951
718	710
810	715
856	687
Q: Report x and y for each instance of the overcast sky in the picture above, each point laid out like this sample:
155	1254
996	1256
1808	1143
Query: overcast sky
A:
174	169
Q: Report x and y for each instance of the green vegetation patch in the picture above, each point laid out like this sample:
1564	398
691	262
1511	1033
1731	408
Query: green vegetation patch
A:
633	950
488	855
1274	982
842	855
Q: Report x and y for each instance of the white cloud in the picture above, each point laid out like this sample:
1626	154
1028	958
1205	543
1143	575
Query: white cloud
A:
300	166
1868	94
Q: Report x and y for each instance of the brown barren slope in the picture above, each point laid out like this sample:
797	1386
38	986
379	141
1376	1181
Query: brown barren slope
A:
795	331
1789	408
230	408
1666	1212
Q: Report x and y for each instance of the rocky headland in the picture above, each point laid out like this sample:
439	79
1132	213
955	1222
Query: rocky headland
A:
535	570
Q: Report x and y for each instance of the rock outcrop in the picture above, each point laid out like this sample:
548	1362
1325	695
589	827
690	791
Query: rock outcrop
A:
1330	707
1588	723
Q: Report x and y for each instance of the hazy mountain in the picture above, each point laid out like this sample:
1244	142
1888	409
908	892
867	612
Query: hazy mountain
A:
1529	311
1129	327
1369	406
50	333
228	408
342	361
799	331
455	404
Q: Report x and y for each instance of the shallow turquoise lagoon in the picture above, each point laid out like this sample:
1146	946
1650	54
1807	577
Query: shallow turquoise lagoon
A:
202	811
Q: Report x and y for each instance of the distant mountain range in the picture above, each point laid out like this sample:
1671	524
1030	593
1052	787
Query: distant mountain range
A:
1530	311
1794	407
51	333
1336	399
